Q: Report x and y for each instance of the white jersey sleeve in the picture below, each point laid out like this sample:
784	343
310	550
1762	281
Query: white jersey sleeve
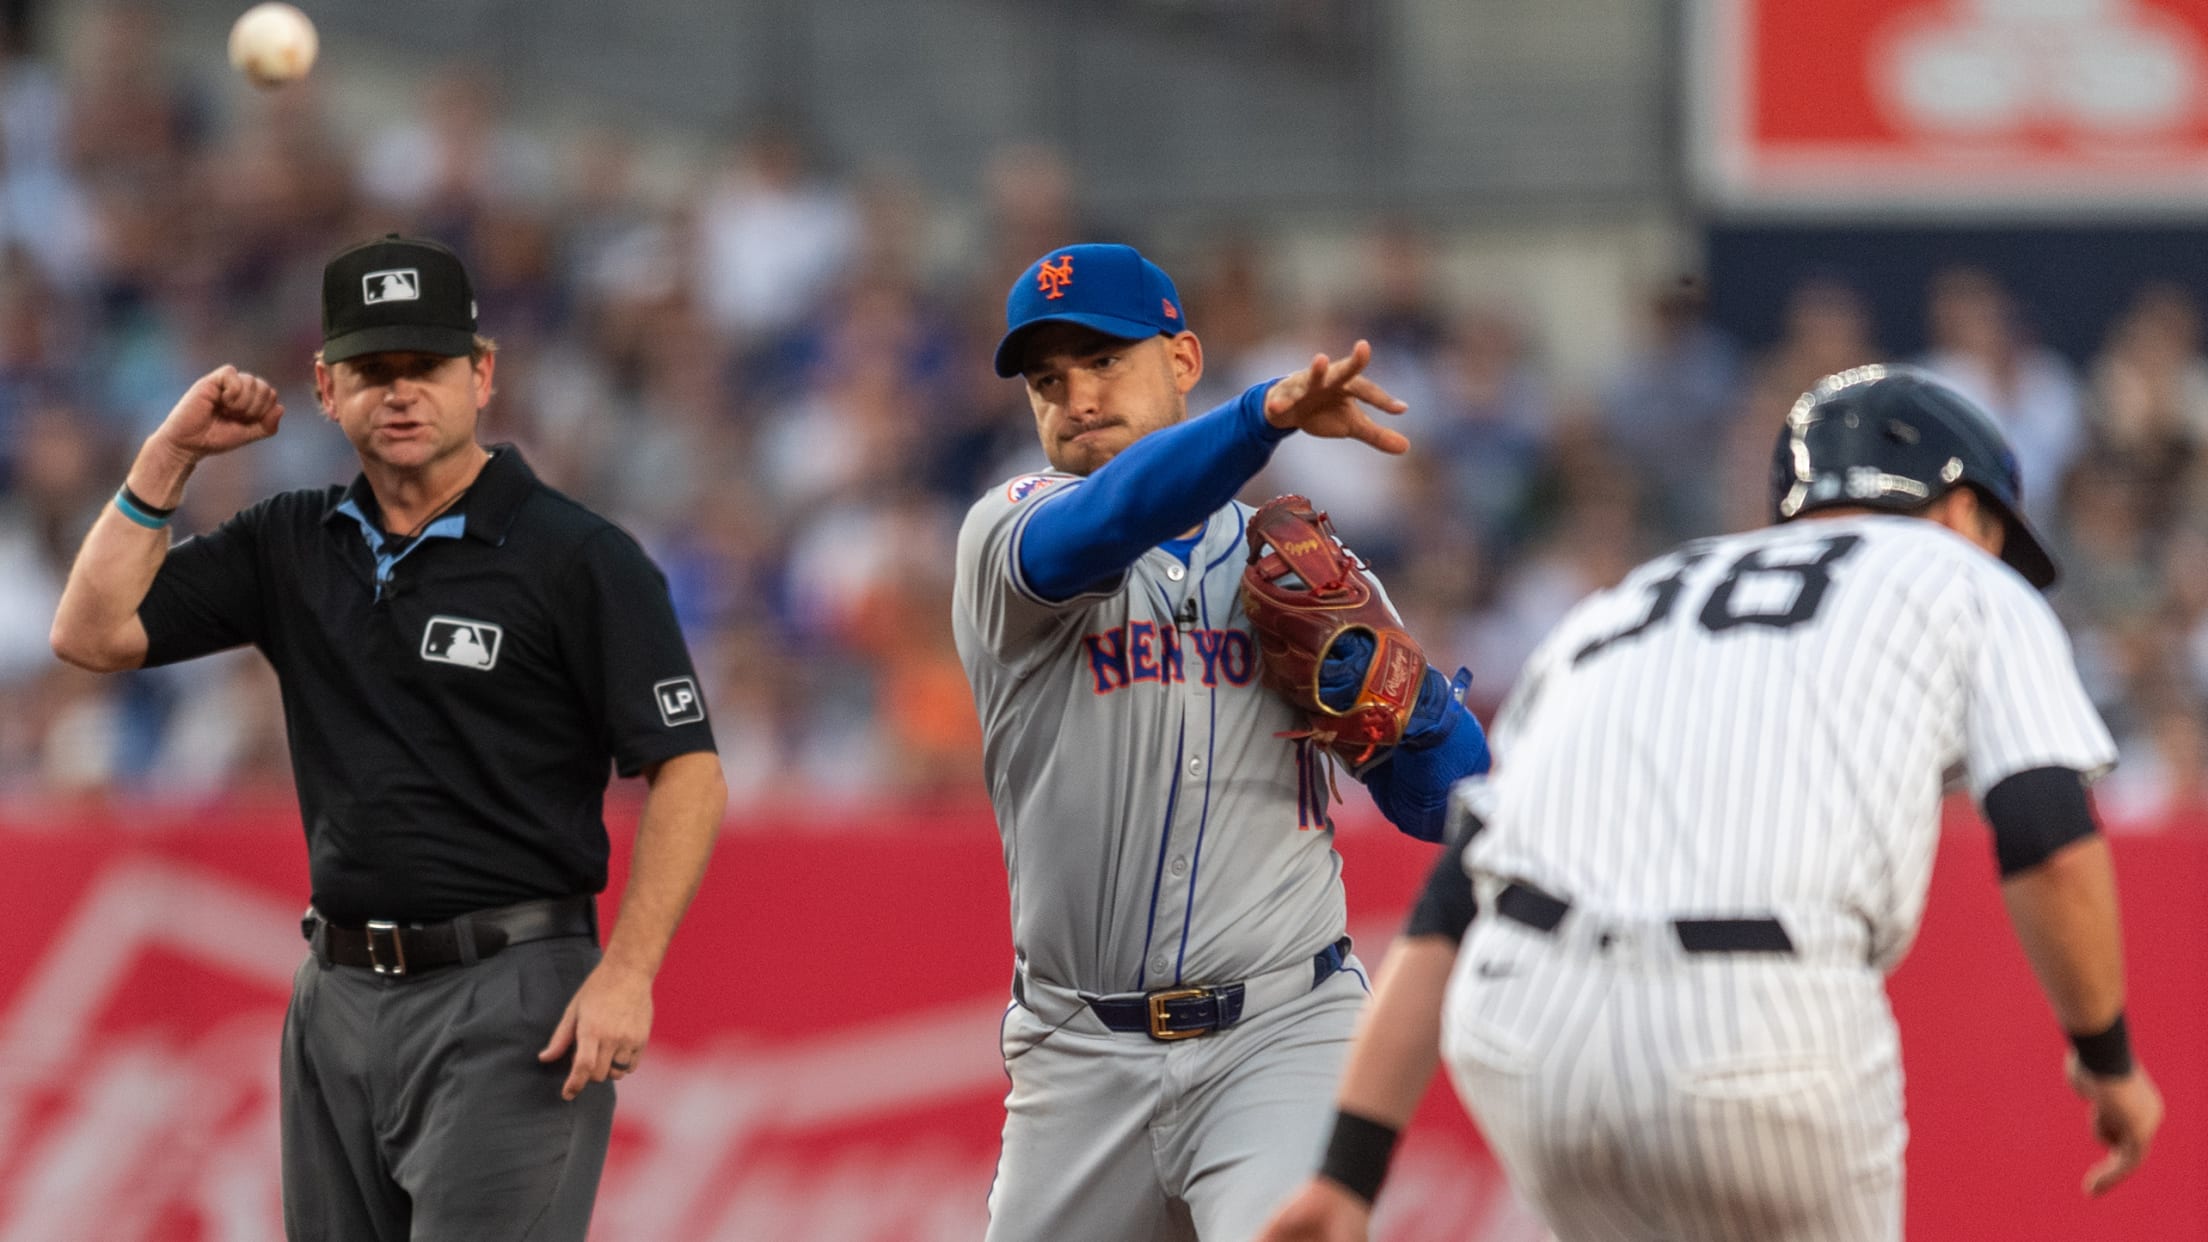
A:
2026	708
994	601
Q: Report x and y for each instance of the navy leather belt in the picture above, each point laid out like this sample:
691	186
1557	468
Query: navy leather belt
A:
1184	1013
1523	903
409	948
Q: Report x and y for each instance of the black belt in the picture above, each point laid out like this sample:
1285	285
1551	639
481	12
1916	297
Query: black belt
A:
1184	1013
1523	903
409	948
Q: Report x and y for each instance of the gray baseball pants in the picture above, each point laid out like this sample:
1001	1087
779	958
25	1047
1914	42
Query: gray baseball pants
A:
1116	1137
415	1109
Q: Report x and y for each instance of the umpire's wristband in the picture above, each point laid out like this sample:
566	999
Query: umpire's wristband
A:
2107	1054
1357	1154
137	509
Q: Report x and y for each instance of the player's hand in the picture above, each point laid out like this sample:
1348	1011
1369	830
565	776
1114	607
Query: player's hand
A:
1323	1211
1330	400
2126	1113
607	1023
223	410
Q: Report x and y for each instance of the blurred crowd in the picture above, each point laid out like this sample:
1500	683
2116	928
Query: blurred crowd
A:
777	378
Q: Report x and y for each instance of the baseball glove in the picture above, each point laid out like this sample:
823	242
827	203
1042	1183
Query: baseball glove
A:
1304	592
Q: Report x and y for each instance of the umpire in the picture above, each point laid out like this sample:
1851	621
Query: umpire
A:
464	652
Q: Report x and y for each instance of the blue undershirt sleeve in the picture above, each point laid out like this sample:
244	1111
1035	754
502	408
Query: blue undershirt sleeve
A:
1446	744
1163	484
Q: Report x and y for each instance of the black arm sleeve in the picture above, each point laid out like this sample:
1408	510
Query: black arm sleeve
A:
1447	904
207	595
2036	813
629	655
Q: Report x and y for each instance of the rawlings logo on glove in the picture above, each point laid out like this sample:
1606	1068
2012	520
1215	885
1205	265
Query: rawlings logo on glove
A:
1305	593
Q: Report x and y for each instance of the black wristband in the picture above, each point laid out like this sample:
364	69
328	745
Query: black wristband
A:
2108	1054
1357	1154
139	502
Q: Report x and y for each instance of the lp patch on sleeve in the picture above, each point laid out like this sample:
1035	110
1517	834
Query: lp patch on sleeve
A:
679	702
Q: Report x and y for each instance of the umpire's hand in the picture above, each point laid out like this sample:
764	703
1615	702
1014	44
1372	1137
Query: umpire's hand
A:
607	1023
223	410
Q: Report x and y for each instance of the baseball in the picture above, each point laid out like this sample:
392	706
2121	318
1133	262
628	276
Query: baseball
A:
272	44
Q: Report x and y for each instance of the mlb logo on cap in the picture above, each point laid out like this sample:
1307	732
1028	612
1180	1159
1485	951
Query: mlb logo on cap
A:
400	285
397	295
1111	289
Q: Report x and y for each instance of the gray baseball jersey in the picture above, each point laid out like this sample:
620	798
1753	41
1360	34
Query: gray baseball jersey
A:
1158	833
1157	830
1756	727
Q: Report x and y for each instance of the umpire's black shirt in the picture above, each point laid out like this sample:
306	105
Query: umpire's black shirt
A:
453	701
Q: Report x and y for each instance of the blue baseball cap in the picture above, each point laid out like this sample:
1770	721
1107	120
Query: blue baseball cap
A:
1112	289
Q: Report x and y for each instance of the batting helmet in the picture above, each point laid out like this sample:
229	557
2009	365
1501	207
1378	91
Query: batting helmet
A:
1893	437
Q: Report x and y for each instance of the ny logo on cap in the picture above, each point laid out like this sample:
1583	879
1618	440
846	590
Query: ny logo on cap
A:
397	285
1053	280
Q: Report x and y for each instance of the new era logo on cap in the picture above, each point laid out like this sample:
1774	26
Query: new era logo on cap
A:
398	285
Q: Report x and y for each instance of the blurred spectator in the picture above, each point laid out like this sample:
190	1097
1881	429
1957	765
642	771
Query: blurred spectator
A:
773	237
2163	780
2150	397
1980	346
1028	207
1827	328
1491	423
1404	314
43	515
457	156
1671	400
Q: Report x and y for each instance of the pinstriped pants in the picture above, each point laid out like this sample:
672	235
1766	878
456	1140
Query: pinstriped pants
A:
1636	1093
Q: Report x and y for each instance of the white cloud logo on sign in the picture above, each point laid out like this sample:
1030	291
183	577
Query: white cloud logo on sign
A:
2104	69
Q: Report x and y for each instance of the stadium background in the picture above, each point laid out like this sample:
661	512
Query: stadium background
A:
746	260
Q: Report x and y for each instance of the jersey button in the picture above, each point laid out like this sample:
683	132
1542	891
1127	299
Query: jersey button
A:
1180	866
1157	965
1175	572
1195	765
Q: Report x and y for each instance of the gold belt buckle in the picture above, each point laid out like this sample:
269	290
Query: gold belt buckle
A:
1158	1002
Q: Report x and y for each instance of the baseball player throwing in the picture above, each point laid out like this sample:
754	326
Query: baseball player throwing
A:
1183	991
1711	834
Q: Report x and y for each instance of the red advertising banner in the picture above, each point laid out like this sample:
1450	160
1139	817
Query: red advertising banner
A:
1982	104
825	1064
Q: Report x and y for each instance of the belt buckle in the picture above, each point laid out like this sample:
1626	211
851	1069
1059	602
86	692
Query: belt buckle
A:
1158	1018
397	964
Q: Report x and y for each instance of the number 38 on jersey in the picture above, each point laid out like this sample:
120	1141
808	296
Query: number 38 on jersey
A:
1773	588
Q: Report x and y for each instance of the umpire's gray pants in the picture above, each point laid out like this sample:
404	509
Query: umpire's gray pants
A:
415	1109
1116	1137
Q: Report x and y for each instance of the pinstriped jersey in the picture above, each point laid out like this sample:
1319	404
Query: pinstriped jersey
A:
1157	830
1768	721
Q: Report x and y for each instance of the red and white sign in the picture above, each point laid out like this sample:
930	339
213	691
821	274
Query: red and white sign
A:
1984	104
825	1067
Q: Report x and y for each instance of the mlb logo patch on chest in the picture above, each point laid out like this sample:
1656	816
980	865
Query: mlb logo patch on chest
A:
457	640
679	702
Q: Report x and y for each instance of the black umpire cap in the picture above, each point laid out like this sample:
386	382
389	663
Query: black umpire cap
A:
397	294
